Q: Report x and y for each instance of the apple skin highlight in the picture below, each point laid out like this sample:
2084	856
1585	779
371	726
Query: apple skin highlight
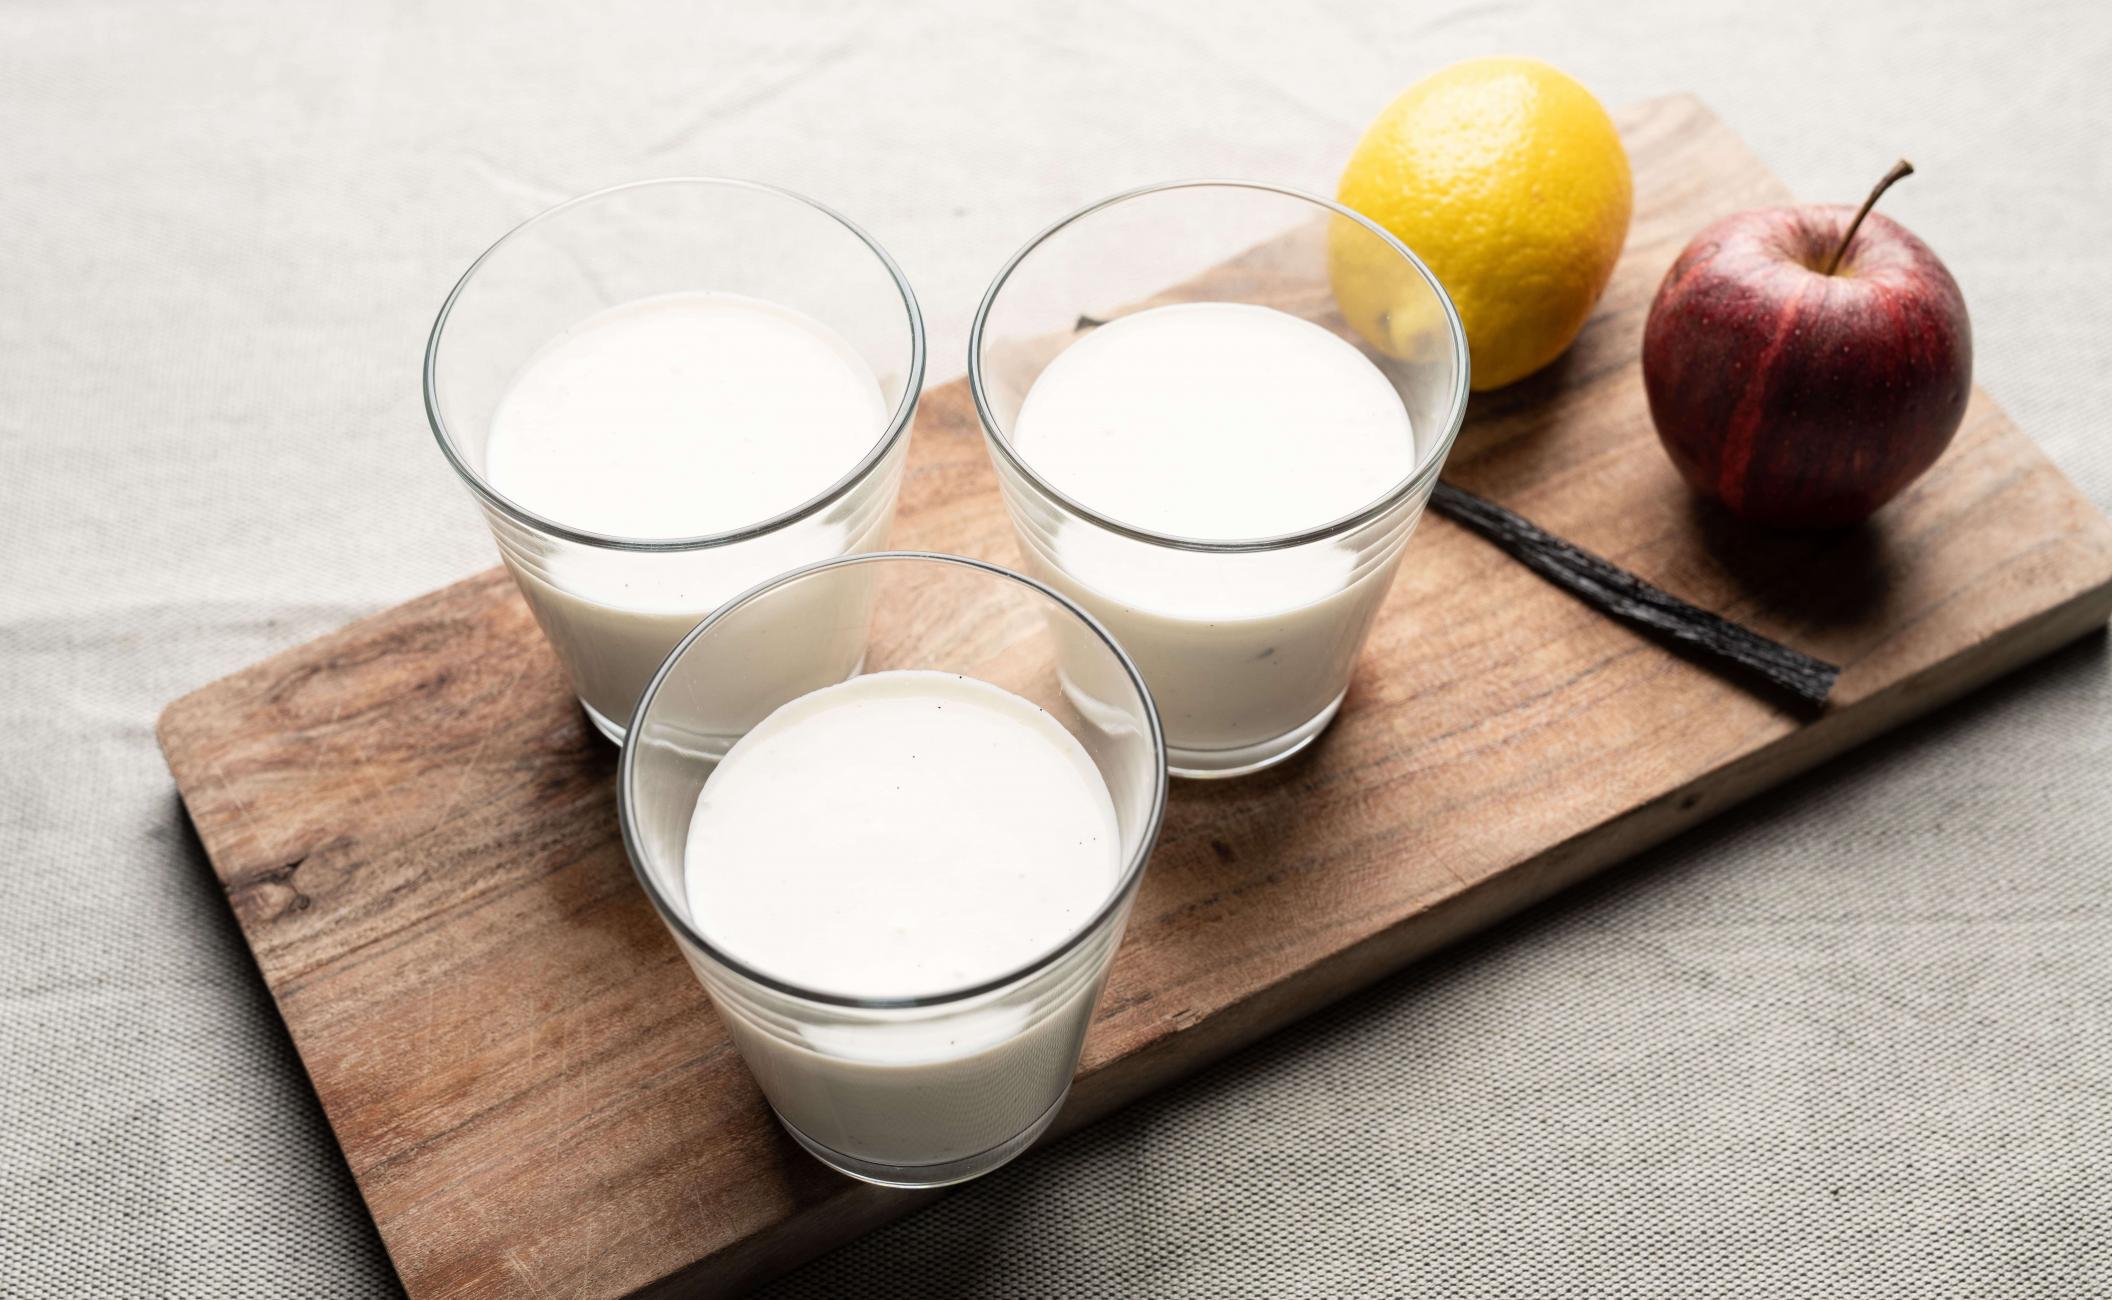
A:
1798	398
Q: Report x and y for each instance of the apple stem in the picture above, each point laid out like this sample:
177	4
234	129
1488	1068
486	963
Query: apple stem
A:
1900	170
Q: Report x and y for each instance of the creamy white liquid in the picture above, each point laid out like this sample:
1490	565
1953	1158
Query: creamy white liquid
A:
1216	420
683	414
1221	421
903	834
900	834
669	417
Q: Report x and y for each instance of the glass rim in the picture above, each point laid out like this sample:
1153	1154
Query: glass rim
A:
890	436
1125	882
1425	472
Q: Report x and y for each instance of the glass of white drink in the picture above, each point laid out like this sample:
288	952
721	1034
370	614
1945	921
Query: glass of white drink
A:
665	392
1225	472
901	890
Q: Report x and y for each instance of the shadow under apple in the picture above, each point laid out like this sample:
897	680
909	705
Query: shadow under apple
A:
1819	580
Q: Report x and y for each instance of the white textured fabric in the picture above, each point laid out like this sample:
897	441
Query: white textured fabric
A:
1854	1041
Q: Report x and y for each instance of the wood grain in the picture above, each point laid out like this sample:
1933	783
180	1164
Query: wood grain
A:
415	825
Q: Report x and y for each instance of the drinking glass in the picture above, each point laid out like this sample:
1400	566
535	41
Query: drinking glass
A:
1246	685
613	606
904	1091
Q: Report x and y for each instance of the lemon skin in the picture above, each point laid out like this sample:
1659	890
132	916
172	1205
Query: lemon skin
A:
1507	177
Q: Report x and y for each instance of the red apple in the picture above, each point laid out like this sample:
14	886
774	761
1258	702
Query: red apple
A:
1805	364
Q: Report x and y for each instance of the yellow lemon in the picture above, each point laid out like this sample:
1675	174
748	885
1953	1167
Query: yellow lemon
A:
1507	178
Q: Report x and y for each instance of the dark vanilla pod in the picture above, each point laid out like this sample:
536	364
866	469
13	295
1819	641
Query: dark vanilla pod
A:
1737	651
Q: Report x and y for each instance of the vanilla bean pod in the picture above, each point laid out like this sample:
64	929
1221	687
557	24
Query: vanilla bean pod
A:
1620	594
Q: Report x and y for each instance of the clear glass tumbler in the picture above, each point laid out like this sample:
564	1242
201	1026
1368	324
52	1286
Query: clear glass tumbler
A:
1248	643
904	1091
613	606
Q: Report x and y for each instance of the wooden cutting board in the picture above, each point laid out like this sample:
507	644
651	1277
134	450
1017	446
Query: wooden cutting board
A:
416	827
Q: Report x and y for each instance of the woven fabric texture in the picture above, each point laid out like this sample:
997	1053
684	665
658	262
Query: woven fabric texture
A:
1852	1041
